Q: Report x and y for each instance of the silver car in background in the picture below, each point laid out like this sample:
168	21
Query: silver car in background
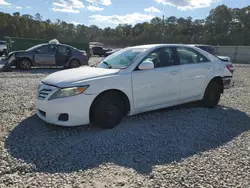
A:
48	55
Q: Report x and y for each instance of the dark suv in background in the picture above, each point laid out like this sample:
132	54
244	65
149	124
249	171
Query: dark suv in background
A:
211	50
99	50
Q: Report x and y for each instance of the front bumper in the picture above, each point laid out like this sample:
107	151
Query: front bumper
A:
77	109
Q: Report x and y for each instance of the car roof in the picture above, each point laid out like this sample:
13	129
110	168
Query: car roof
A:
198	45
148	46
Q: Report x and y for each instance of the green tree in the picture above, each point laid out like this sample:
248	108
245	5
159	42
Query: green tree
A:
223	26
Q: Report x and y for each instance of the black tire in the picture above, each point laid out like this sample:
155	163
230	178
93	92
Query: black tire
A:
107	110
212	95
24	64
74	63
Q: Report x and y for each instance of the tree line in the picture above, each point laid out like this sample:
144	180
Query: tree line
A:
223	26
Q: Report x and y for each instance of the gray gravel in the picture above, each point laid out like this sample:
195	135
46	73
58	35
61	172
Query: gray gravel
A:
184	146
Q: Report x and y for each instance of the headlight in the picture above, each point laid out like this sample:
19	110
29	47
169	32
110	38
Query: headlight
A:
68	92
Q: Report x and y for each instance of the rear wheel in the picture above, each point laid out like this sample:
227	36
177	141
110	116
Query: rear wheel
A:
25	64
107	110
212	95
74	63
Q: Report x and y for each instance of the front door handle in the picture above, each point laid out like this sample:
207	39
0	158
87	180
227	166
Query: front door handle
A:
175	72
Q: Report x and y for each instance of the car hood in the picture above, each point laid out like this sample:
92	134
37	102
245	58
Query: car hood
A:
15	52
74	77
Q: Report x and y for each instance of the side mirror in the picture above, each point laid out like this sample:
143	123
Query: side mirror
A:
147	64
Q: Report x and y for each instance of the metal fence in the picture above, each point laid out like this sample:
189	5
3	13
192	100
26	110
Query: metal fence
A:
238	54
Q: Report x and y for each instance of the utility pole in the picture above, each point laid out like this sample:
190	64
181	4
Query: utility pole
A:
162	29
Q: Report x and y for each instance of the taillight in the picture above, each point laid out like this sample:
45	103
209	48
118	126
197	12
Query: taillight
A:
230	68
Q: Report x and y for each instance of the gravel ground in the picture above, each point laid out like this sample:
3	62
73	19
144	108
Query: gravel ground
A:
178	147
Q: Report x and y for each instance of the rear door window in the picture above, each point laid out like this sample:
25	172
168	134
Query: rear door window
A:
63	49
190	56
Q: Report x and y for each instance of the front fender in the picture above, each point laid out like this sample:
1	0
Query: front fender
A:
113	82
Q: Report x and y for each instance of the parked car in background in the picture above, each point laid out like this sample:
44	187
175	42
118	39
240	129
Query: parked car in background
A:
90	52
99	50
49	54
3	48
131	81
111	52
211	50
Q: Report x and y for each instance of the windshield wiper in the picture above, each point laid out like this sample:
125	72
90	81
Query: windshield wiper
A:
109	66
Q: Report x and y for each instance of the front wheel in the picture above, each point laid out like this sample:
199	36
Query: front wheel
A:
212	95
25	64
107	110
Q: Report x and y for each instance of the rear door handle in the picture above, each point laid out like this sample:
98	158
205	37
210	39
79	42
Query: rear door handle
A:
175	72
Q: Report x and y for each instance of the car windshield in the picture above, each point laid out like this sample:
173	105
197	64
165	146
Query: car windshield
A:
34	47
121	59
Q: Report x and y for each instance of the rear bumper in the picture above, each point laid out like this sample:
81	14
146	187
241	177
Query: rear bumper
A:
228	82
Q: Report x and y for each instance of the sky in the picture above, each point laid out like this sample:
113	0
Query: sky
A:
104	13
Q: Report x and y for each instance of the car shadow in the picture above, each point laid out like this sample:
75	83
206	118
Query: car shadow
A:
139	142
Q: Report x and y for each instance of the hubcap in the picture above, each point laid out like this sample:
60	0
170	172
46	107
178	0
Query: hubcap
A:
25	64
111	112
74	64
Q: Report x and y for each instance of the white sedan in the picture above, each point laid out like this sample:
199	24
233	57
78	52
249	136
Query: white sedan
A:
131	81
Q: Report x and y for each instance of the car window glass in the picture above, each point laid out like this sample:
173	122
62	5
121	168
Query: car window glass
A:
97	48
63	49
43	50
187	56
161	57
52	48
203	58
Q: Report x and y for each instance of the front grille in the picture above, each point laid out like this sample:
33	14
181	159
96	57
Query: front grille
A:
45	91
